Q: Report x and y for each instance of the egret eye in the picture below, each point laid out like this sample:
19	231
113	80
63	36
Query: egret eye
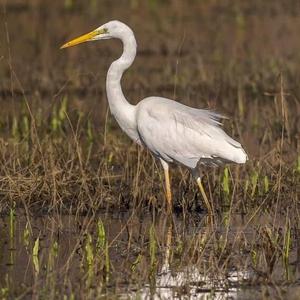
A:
103	31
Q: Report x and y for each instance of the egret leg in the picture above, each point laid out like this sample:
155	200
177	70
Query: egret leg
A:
167	185
209	208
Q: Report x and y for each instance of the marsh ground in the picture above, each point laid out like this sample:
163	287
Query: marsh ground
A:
82	208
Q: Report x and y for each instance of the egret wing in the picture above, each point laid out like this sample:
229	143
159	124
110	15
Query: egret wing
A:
175	132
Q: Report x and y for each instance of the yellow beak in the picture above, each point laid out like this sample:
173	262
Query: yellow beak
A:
83	38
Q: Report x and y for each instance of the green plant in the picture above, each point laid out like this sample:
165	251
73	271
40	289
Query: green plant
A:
254	182
225	182
35	255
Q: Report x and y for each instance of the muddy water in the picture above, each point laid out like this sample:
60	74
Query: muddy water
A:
131	256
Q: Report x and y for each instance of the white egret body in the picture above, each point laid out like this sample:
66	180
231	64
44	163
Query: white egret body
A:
173	132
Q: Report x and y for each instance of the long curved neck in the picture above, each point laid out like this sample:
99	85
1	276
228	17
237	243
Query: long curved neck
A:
121	109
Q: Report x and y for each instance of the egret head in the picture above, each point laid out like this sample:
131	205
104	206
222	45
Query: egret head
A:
112	29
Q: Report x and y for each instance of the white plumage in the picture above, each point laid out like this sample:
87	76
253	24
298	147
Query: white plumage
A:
173	132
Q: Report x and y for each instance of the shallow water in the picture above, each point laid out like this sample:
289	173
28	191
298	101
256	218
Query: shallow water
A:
138	256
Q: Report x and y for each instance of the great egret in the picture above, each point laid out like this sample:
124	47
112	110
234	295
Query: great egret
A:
173	132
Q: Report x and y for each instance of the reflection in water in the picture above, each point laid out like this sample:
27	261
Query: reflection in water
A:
190	282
